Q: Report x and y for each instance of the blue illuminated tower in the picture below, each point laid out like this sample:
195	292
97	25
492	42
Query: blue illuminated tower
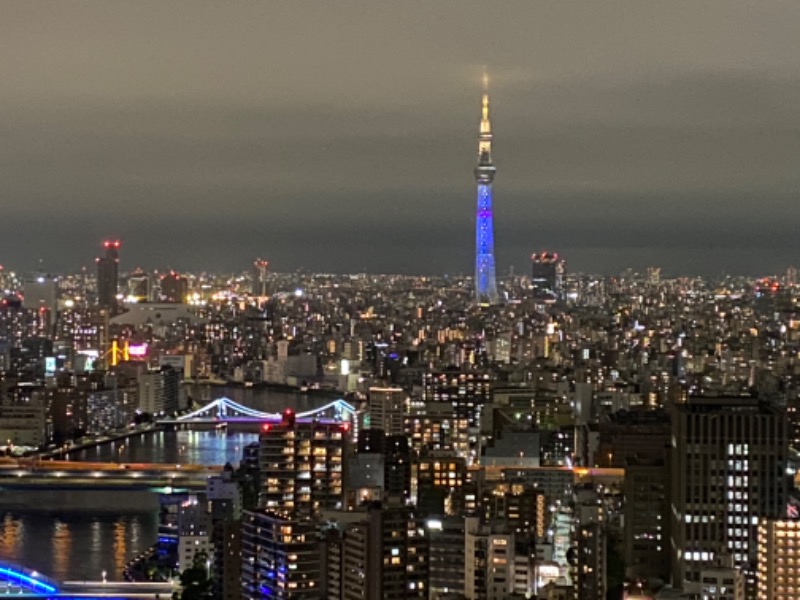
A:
485	280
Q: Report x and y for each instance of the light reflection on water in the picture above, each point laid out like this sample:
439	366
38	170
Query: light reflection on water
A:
210	447
75	545
78	535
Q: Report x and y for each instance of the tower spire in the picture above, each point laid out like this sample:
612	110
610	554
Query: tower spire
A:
485	280
485	168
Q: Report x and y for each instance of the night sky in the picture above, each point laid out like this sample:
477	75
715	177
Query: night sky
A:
341	136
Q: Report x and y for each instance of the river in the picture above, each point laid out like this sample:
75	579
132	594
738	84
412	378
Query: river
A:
76	535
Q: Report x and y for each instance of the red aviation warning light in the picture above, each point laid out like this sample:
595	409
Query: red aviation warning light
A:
266	427
545	257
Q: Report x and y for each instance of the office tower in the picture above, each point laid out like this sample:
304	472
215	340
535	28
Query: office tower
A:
174	288
590	580
638	433
729	459
793	416
647	518
386	409
485	281
547	274
280	558
108	277
778	559
301	464
139	287
259	278
638	440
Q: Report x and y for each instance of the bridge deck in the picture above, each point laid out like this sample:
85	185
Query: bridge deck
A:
29	473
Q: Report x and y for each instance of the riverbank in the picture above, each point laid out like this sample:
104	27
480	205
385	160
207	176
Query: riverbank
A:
106	438
278	387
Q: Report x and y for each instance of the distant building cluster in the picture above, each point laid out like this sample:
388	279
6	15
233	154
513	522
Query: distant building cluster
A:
581	436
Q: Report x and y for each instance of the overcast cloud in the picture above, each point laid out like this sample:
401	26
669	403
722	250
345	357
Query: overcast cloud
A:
341	136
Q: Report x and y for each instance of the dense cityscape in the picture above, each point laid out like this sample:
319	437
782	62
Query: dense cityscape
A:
264	332
548	435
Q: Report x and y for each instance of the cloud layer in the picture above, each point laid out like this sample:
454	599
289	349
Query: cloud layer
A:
340	138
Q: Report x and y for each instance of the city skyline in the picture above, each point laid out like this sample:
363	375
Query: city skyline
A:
330	140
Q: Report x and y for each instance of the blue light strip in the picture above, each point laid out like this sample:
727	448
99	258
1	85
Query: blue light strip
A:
21	577
485	278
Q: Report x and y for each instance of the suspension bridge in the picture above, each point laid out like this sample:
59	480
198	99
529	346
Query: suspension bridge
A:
224	410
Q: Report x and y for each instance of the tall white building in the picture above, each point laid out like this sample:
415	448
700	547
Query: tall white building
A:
194	531
488	562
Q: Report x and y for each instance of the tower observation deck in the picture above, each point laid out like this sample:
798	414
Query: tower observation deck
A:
485	277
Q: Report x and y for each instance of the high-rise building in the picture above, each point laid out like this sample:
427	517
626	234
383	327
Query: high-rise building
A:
386	408
225	502
381	469
397	468
547	274
259	278
729	460
159	391
280	558
108	276
174	288
485	278
139	287
383	555
778	559
194	531
465	393
301	464
488	561
647	517
446	565
590	580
